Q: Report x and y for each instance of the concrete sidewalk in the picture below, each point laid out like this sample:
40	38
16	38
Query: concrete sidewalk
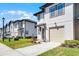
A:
27	51
6	51
37	49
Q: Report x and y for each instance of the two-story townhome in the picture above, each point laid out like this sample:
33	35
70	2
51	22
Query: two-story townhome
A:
24	28
58	22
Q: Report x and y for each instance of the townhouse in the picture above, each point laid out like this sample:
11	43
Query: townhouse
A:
24	28
58	22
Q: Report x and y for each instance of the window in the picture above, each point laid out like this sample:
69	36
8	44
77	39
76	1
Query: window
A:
20	25
52	11
57	10
35	26
60	8
39	30
52	14
26	32
41	16
60	12
16	25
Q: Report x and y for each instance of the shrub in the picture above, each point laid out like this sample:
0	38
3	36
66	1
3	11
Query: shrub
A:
16	38
5	37
29	37
20	37
71	43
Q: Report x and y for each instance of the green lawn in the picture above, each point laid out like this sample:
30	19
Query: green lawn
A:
17	44
62	51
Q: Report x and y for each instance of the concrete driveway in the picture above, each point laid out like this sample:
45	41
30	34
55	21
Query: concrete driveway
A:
37	49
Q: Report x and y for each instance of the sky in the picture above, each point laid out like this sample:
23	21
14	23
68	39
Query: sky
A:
18	11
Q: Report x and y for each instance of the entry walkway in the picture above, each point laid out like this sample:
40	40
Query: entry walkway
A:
6	51
37	49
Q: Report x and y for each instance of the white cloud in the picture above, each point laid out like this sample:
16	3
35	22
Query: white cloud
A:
26	16
11	12
18	13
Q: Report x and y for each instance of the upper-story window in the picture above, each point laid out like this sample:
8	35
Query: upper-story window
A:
41	16
20	25
16	25
38	17
60	8
57	10
52	11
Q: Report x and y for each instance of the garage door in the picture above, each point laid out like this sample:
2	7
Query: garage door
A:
56	35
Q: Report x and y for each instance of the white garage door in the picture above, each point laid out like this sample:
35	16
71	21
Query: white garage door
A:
57	35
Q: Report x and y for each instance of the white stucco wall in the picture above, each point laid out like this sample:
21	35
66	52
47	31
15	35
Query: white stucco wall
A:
65	20
30	27
13	30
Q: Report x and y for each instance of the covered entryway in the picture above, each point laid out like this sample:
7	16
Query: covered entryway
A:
56	34
42	31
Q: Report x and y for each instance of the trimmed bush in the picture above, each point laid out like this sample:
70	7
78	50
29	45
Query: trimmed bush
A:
20	37
71	43
16	38
29	37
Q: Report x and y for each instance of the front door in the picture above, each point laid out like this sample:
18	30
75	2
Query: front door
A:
43	34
